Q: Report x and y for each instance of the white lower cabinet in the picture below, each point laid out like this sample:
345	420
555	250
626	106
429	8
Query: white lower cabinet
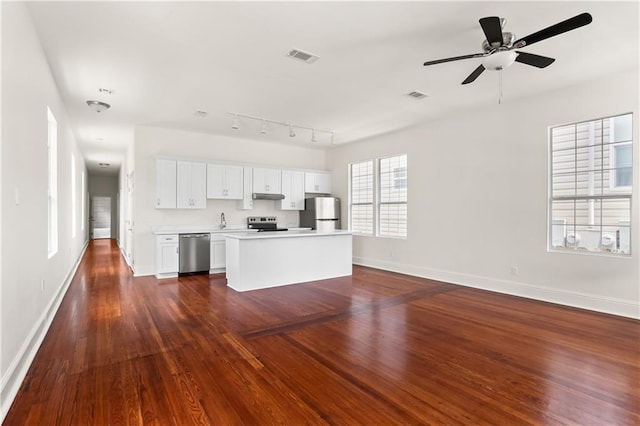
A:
167	255
218	252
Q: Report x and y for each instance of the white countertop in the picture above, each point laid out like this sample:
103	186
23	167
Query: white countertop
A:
292	233
213	229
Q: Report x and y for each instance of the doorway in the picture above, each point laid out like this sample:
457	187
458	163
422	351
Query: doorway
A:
100	217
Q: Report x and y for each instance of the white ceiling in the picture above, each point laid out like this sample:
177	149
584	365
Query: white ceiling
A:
166	60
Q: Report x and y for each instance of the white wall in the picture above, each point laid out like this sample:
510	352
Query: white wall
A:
31	284
153	141
107	186
478	200
125	223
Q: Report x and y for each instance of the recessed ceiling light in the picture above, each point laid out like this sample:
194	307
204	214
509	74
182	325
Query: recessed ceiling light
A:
201	114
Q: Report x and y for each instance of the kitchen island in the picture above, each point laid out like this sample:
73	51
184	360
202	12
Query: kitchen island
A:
271	259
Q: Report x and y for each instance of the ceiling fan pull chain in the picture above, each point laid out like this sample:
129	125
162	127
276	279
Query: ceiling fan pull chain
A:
499	87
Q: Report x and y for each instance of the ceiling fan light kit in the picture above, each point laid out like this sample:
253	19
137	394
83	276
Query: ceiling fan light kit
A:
499	60
498	48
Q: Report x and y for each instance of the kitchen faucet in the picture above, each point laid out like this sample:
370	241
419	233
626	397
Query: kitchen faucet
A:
223	222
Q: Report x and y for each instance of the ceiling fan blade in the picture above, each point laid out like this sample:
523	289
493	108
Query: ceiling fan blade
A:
472	77
554	30
534	60
492	29
455	58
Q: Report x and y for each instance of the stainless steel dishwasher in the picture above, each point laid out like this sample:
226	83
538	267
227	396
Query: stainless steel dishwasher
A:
194	253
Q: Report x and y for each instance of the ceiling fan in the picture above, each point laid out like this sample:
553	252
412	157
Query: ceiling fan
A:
498	48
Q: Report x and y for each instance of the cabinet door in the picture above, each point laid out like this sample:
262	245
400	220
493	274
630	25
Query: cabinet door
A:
247	201
267	181
198	185
218	254
215	181
317	182
293	190
323	183
234	182
168	258
167	254
184	200
191	184
165	184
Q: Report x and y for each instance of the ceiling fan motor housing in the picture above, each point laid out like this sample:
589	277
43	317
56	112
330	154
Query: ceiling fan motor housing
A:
507	41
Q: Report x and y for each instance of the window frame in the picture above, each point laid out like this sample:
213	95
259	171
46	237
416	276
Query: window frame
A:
380	203
371	204
607	192
613	186
376	198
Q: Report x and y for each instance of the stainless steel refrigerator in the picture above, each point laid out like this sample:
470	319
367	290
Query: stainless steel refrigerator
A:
321	213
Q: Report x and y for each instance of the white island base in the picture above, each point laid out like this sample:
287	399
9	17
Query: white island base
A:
263	260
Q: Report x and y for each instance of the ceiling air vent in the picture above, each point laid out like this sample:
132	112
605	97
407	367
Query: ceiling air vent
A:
307	57
416	95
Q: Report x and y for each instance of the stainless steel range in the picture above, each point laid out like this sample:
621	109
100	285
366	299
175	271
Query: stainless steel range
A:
264	224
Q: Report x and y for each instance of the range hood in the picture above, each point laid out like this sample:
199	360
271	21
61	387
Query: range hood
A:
263	196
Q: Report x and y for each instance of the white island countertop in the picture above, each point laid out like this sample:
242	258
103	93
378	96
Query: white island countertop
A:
212	229
291	233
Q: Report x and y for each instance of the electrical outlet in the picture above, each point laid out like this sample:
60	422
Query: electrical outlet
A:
514	270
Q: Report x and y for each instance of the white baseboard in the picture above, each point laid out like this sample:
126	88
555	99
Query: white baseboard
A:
17	371
609	305
143	270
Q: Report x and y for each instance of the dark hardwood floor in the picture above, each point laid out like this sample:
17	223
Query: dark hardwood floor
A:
377	348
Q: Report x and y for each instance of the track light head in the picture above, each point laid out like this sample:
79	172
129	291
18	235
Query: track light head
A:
292	134
236	123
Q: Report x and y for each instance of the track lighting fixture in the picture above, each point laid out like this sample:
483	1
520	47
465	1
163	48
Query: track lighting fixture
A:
293	128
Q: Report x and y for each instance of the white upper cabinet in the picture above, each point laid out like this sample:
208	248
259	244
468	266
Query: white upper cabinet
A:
317	182
224	182
267	181
166	184
293	190
247	191
191	185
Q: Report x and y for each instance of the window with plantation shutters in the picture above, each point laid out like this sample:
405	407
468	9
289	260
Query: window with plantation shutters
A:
392	205
591	186
361	197
378	197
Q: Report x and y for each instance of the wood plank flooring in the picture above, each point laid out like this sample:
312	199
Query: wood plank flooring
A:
377	348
